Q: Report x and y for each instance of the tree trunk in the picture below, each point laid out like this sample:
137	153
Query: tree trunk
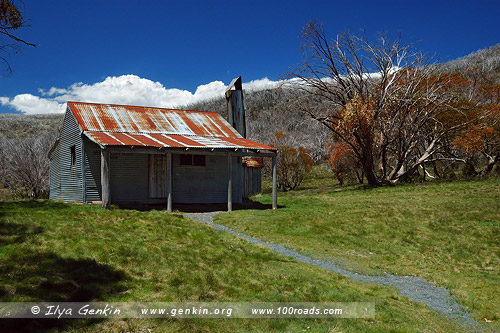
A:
382	165
340	178
436	172
490	165
361	176
405	175
365	141
408	173
469	169
367	163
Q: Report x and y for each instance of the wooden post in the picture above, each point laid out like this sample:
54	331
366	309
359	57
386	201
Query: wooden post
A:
105	178
275	186
169	182
229	183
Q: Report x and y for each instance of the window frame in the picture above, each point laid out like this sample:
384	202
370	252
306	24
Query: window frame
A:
193	160
72	150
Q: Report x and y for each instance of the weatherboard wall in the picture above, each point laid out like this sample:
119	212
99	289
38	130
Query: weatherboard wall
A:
54	177
92	170
208	184
129	178
252	181
67	180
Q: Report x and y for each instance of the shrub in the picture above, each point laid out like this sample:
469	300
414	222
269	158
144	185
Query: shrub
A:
343	162
24	166
293	164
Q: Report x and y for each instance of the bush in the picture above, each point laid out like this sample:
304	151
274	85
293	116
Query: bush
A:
343	162
293	164
24	166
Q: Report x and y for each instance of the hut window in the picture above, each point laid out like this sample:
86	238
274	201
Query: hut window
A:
73	155
186	159
196	160
199	160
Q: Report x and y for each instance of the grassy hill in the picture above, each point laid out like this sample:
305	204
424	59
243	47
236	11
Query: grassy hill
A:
53	251
446	232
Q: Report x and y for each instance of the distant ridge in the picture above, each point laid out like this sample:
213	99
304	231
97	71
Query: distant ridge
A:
485	59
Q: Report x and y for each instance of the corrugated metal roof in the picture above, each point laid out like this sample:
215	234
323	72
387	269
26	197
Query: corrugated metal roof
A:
118	125
171	140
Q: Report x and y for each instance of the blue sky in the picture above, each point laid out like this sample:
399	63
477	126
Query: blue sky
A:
165	53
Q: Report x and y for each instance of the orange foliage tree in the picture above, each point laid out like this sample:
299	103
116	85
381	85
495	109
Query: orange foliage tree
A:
480	141
392	107
381	98
343	162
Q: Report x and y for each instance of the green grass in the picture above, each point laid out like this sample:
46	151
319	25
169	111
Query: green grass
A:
446	232
50	251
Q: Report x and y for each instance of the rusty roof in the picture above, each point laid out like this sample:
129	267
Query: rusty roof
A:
124	125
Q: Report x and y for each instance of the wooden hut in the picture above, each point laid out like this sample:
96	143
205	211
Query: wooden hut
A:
145	155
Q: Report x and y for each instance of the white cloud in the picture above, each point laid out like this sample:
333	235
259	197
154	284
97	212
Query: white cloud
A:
208	91
30	104
125	89
52	91
261	84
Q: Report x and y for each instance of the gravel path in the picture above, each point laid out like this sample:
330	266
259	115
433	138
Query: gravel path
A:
413	287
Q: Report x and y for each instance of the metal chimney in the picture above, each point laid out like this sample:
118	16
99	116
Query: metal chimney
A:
236	106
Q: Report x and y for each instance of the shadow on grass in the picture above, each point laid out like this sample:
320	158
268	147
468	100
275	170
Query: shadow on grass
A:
199	208
8	205
204	208
46	276
11	233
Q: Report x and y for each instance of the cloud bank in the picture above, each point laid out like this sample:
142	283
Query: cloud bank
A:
125	89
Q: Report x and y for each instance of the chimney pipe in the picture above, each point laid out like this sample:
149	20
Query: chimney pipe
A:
236	106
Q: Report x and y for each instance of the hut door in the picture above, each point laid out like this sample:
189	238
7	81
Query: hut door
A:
157	176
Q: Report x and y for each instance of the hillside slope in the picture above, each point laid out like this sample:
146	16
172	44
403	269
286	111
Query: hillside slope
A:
13	125
485	59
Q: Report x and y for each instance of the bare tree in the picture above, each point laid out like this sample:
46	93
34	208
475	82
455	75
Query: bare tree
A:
24	166
11	19
382	98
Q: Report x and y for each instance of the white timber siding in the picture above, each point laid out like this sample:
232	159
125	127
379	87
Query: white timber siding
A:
70	176
208	184
92	168
54	177
252	181
130	179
